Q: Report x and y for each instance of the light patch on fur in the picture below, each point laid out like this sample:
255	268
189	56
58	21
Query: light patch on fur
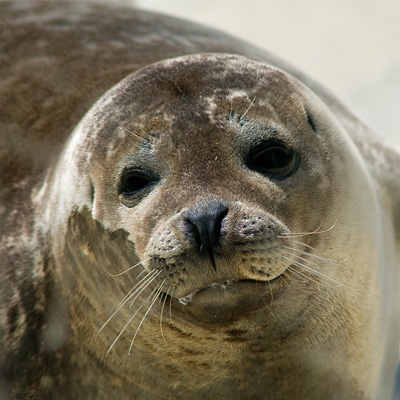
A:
39	193
32	17
164	36
67	189
233	94
211	107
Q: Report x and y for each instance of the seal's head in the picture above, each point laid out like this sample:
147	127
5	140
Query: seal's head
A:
236	191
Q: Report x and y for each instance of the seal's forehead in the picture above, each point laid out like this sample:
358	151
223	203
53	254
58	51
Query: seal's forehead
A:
205	83
203	74
219	84
195	95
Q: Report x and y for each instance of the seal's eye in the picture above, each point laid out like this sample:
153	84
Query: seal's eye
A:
133	182
273	158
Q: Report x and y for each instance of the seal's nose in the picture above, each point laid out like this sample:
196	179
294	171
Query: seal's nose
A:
204	225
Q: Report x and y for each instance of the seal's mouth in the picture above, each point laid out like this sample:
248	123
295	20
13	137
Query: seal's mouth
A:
227	290
187	299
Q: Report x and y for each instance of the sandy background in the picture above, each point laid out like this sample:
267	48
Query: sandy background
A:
352	47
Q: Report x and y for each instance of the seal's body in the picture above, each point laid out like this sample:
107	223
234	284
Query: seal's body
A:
185	216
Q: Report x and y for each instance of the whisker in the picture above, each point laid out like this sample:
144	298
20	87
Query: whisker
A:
157	295
130	320
159	288
315	272
138	285
127	298
319	273
274	263
133	133
317	231
124	328
271	292
310	254
305	278
286	234
170	308
300	264
299	275
138	292
303	258
162	312
315	250
130	268
140	274
251	104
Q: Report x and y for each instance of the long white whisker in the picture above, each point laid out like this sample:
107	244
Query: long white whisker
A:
313	249
126	299
157	295
251	105
141	273
138	285
162	312
302	258
315	272
271	292
317	231
133	133
309	254
130	320
138	293
325	276
303	276
312	270
130	268
170	308
159	288
274	263
124	328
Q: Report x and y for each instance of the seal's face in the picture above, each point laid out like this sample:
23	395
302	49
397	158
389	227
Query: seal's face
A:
222	172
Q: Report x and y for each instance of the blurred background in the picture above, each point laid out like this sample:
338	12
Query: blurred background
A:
352	47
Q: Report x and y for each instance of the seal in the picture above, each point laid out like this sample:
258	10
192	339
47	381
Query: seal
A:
186	216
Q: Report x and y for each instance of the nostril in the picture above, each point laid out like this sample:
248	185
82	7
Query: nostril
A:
222	211
204	224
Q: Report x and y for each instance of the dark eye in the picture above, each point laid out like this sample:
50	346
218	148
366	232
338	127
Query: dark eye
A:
134	182
274	159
